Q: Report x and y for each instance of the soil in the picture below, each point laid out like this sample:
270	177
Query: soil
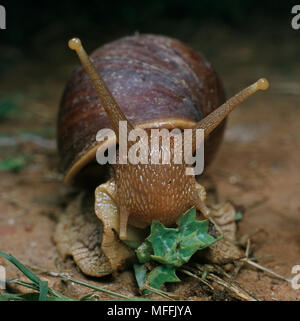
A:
257	167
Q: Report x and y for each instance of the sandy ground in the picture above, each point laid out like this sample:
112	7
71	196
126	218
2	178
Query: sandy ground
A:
257	167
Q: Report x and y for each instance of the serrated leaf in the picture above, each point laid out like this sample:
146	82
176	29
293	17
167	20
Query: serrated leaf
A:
160	275
186	222
172	247
164	242
140	274
144	252
163	239
175	246
140	271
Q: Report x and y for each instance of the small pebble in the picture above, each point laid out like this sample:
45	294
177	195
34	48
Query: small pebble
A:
11	221
233	180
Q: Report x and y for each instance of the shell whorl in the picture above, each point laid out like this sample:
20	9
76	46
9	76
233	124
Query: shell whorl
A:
157	82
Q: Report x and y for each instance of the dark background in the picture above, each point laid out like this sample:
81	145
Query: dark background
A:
27	20
40	29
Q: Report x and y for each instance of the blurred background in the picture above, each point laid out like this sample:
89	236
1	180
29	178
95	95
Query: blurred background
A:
242	39
257	168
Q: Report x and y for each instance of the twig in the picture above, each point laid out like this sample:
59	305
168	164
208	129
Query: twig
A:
100	289
248	247
240	264
258	266
158	292
197	277
49	273
230	285
35	287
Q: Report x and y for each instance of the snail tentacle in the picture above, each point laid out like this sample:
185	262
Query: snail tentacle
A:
211	121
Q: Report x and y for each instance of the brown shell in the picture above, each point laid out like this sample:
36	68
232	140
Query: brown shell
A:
157	82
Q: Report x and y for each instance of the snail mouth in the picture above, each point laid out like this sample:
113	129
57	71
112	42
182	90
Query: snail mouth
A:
89	156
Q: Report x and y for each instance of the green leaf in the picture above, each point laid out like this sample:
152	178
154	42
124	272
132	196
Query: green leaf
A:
31	276
160	275
172	247
186	221
238	216
144	252
140	274
44	293
13	164
175	246
140	271
204	275
43	290
32	296
37	284
164	242
19	297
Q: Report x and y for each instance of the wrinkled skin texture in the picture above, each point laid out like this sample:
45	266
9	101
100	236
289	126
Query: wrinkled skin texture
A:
79	234
148	192
93	244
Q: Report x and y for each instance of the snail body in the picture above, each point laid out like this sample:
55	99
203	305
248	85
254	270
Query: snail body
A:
148	82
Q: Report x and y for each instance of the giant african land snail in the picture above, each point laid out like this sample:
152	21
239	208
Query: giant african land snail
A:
154	82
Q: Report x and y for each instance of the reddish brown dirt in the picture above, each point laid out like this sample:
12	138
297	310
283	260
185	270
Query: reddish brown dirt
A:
257	168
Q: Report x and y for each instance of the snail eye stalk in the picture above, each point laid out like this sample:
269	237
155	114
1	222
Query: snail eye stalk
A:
108	102
211	121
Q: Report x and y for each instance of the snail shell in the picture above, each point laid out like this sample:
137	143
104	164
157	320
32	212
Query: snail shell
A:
157	81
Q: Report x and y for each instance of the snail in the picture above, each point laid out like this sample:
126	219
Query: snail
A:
148	82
